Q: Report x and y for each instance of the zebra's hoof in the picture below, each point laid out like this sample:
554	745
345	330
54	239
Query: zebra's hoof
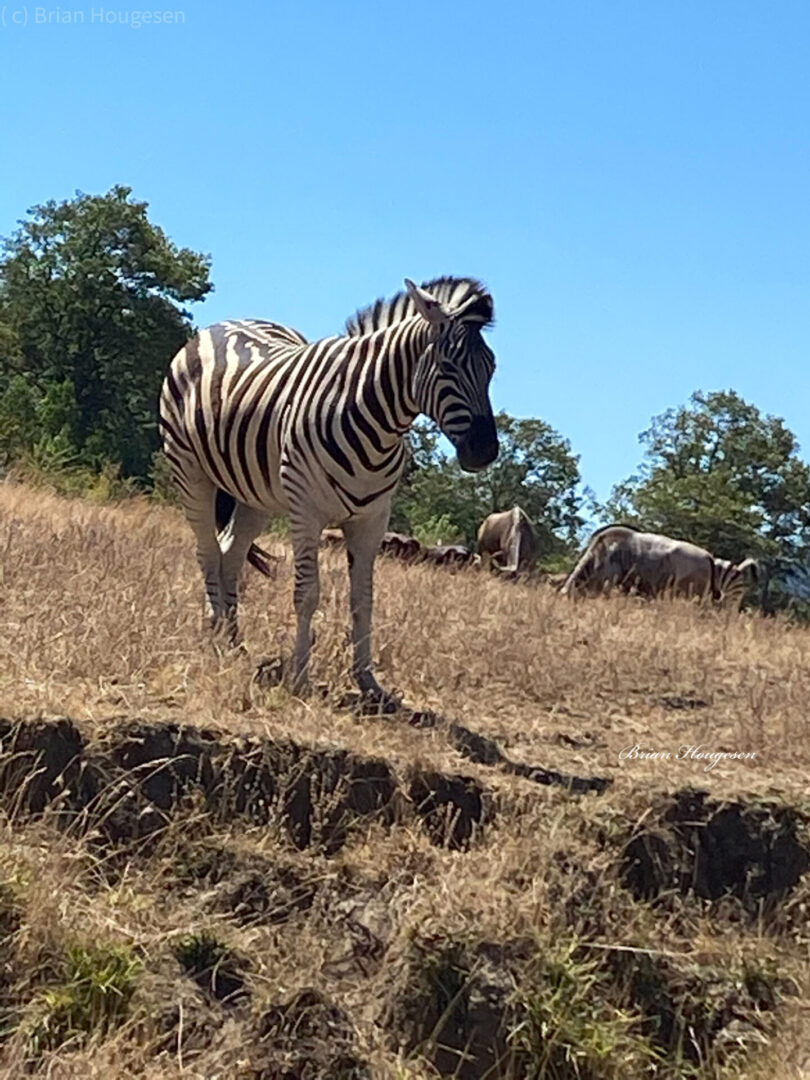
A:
269	673
378	702
369	703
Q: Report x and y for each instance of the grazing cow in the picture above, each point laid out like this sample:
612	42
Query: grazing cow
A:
401	546
449	555
653	565
506	541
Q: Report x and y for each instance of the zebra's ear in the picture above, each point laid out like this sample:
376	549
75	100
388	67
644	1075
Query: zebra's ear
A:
431	310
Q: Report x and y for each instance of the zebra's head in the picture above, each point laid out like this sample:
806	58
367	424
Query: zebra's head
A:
454	371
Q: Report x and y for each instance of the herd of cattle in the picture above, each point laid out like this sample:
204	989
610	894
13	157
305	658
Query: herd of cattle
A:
506	542
616	556
408	549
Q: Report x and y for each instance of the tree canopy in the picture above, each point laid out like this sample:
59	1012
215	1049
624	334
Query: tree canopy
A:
92	299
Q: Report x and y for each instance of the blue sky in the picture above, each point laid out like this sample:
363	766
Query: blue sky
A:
631	179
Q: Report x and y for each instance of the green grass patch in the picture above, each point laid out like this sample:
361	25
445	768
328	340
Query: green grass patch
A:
93	998
569	1030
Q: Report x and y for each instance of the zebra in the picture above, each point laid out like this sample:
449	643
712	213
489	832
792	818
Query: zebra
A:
252	411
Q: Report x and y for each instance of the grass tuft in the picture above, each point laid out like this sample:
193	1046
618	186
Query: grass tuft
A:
569	1030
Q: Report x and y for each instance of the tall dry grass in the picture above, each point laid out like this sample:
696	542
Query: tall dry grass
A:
101	615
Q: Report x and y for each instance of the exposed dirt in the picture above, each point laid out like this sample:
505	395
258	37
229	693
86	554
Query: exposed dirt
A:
447	1000
129	785
264	895
712	849
698	1013
307	1038
456	1004
452	808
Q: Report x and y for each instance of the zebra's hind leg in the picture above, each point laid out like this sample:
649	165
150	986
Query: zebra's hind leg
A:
234	541
363	537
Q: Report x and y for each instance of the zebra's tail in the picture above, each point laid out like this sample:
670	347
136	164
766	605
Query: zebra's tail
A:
262	560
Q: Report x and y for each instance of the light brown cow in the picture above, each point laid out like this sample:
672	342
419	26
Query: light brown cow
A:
653	565
507	541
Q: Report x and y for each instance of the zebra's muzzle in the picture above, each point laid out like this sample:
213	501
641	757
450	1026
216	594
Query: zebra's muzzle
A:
478	447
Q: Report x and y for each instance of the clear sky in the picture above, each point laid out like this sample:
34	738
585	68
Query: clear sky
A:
630	177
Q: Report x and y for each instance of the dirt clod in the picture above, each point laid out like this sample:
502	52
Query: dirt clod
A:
453	809
265	896
711	849
307	1038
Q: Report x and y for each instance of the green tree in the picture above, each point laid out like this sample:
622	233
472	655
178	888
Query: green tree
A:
92	299
719	473
535	469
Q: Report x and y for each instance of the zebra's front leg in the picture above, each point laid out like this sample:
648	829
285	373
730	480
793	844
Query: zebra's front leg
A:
363	537
306	596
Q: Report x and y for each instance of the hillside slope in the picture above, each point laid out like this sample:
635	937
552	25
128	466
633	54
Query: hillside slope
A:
203	876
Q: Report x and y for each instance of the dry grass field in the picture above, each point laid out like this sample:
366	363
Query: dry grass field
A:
201	876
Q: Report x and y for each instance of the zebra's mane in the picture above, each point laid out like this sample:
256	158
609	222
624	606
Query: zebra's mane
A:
450	291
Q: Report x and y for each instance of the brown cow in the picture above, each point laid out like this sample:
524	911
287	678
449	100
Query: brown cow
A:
654	565
401	546
507	542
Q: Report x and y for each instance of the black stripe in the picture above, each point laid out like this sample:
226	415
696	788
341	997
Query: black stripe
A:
202	432
357	500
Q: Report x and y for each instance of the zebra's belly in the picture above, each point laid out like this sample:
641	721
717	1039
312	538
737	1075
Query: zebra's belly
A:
275	479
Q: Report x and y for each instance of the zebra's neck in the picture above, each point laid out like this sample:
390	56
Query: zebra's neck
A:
387	362
368	408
